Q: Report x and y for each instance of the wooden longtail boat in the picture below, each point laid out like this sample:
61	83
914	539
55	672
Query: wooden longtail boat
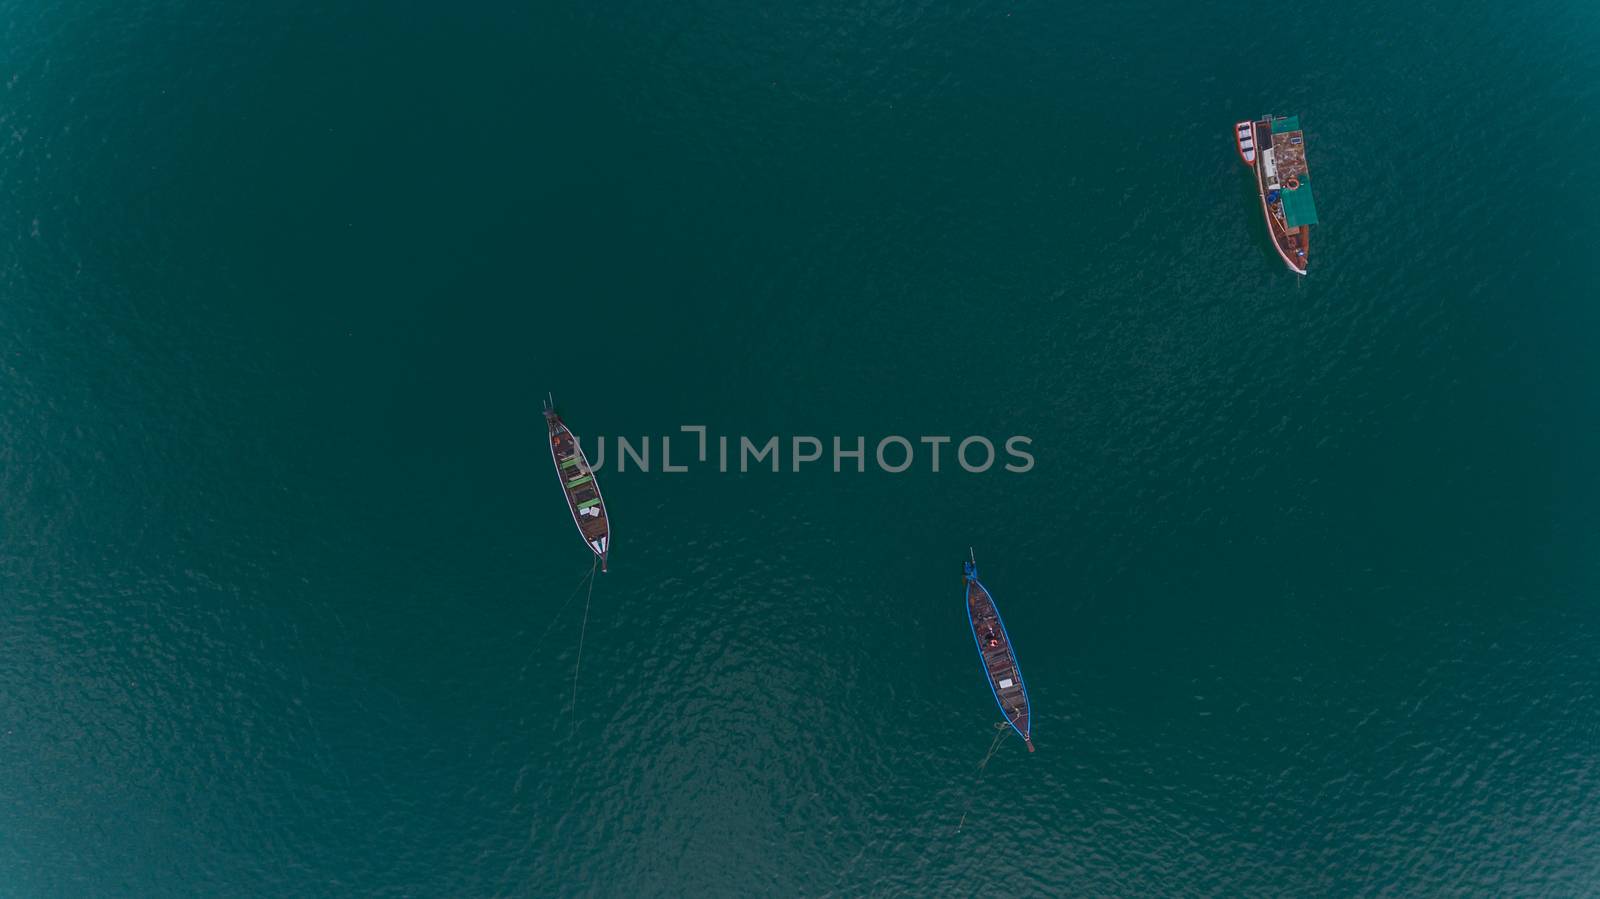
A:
1284	182
999	660
579	486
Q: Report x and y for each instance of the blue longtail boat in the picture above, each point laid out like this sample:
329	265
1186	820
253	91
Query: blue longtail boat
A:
999	660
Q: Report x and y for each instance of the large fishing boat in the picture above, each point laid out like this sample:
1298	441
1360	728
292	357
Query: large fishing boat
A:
1276	148
999	660
579	486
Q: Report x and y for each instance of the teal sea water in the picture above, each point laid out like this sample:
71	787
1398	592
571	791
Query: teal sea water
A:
1303	582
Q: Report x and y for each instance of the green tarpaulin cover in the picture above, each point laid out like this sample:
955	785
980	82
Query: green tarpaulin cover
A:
1281	126
1298	207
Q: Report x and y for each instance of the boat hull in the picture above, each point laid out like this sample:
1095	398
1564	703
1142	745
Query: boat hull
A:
1244	142
998	658
580	488
1293	245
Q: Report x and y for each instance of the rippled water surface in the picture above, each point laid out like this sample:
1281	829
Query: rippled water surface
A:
1303	581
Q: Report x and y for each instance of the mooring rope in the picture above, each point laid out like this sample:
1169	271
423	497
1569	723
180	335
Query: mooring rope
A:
1004	730
581	634
556	618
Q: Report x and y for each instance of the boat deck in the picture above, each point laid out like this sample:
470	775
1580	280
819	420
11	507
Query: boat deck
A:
1293	244
999	662
1290	152
577	482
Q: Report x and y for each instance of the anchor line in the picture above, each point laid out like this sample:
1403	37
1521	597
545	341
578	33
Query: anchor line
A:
1002	731
556	618
583	632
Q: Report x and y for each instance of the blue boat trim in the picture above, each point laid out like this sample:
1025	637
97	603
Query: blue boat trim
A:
972	574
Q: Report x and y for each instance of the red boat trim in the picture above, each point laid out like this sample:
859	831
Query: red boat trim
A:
1238	142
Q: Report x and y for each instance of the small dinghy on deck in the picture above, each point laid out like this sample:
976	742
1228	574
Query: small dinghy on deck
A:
579	486
999	660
